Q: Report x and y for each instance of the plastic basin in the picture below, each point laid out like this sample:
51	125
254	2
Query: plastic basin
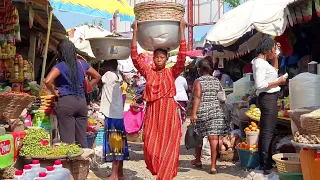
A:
248	159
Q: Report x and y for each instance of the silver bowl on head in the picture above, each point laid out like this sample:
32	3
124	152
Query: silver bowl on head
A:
106	48
154	34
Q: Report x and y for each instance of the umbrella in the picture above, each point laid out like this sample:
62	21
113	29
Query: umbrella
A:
268	17
96	8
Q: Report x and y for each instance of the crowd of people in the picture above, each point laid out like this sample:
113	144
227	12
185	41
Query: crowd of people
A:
165	93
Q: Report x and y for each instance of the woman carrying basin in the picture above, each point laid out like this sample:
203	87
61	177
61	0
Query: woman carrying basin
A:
161	121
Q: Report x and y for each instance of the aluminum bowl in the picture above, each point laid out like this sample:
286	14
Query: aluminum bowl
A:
153	34
106	48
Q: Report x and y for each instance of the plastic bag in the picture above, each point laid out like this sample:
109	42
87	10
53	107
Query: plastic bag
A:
192	140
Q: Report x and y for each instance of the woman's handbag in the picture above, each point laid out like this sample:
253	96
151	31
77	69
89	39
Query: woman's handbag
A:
221	94
86	85
192	139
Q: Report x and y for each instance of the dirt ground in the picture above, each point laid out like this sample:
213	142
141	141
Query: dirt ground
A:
135	168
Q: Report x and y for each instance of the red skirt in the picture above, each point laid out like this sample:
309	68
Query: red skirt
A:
162	138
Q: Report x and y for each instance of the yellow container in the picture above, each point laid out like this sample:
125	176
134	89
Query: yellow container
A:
310	164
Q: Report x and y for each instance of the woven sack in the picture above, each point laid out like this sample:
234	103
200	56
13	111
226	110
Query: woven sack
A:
311	122
295	116
154	10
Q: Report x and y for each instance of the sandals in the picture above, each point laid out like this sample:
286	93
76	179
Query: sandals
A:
196	164
213	171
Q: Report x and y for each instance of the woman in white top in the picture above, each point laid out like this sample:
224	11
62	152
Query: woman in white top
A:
181	95
115	146
267	85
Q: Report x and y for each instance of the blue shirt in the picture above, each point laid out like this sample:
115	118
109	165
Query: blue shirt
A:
63	81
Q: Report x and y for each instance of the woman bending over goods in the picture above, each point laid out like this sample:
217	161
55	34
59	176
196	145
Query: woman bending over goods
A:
207	113
161	121
65	81
267	84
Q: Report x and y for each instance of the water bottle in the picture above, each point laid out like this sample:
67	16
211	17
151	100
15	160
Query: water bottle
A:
36	167
65	173
18	175
42	175
52	175
27	169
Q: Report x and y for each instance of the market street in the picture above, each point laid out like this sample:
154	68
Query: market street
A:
135	168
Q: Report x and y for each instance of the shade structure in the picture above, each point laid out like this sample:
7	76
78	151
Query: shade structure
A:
97	8
266	16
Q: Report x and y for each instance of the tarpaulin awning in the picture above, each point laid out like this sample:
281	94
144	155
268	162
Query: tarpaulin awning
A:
268	17
97	8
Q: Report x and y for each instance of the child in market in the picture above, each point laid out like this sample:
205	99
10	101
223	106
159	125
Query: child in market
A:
115	144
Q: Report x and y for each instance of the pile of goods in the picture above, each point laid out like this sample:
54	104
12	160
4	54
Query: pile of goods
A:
254	113
306	139
283	107
36	144
253	127
245	145
227	148
47	102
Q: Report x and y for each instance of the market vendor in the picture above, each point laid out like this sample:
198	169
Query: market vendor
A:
66	81
267	84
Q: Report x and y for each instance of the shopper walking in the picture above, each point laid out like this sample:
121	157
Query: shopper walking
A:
267	84
65	81
207	113
161	122
181	96
115	140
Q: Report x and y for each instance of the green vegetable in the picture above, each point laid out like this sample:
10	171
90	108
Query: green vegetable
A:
33	147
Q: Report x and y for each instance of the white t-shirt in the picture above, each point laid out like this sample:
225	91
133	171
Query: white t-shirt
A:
111	96
181	88
264	73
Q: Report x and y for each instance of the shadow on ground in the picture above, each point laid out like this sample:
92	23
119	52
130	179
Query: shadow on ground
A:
103	173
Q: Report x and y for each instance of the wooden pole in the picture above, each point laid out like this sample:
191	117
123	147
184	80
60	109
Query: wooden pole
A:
46	47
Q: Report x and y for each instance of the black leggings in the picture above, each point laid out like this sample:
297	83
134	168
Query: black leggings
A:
72	118
269	112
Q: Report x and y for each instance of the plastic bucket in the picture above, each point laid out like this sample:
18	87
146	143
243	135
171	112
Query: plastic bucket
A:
252	138
248	159
90	141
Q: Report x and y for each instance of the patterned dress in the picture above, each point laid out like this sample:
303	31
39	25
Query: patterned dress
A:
161	121
210	115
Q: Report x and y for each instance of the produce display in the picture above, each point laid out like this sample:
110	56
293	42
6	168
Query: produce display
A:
253	127
306	139
47	102
244	145
36	144
229	142
283	107
254	113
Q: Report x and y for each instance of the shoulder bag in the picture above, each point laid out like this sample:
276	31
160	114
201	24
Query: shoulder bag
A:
221	94
86	85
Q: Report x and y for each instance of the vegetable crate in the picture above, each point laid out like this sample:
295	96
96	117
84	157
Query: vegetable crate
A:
248	159
99	138
290	176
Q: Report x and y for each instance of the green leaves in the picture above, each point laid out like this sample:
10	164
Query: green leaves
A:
232	3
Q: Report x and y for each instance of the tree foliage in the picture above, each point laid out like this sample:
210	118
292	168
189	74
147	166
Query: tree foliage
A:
232	3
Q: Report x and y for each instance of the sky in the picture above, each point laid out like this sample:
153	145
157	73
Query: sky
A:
70	20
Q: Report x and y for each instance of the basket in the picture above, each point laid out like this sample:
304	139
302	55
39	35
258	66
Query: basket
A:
248	159
154	10
290	176
291	163
79	168
310	124
295	116
229	156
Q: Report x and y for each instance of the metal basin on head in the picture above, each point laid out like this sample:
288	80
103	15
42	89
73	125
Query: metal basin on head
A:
106	48
164	34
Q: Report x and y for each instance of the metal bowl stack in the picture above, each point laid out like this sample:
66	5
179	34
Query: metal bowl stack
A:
158	24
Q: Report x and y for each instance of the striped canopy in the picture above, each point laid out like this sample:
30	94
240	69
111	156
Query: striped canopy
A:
97	8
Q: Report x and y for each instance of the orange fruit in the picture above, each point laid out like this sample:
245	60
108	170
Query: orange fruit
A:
257	130
247	129
250	126
254	129
253	124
